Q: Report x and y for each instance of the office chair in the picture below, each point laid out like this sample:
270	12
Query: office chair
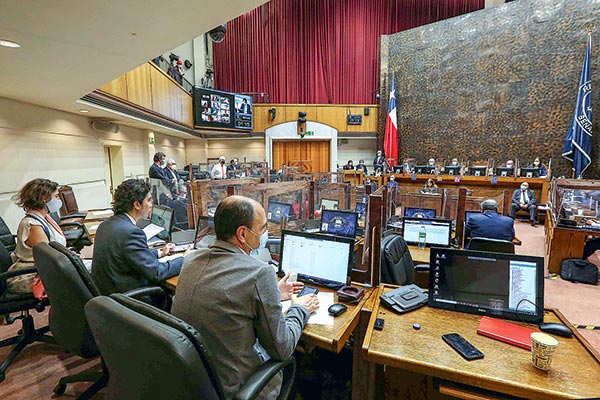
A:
491	245
17	302
69	208
6	237
75	232
151	354
396	262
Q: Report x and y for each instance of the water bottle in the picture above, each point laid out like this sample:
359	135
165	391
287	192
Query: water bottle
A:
422	237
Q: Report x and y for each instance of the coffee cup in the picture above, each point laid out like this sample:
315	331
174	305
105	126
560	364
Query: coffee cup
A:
542	350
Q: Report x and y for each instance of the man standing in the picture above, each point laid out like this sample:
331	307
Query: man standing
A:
379	163
524	199
219	170
156	170
233	299
122	259
490	224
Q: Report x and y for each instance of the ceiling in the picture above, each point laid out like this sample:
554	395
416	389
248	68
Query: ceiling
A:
69	48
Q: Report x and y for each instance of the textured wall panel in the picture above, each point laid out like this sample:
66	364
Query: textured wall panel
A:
497	83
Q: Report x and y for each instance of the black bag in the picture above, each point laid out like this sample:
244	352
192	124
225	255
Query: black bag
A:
578	270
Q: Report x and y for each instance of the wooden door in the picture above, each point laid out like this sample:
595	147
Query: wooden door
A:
313	155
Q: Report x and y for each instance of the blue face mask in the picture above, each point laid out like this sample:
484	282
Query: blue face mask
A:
54	205
262	242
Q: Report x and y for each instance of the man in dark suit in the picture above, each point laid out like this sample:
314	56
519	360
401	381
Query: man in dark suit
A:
156	169
361	166
234	300
245	107
524	199
379	163
122	259
490	224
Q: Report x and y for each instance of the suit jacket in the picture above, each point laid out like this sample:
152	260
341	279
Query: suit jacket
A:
232	299
171	174
157	172
516	198
363	167
122	259
490	225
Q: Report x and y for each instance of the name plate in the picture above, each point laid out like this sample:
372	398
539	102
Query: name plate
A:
354	119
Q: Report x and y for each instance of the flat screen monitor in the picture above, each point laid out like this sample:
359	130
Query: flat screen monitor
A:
499	285
437	231
336	222
505	171
162	216
328	204
318	259
452	170
423	169
277	211
529	172
218	109
398	169
242	117
361	209
477	171
205	232
412	212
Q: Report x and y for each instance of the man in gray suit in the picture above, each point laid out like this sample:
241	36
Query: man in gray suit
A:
234	301
524	199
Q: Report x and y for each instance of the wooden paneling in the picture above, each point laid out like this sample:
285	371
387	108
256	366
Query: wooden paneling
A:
117	88
138	86
312	154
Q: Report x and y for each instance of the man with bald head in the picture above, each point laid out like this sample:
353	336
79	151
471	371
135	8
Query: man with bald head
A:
489	224
234	300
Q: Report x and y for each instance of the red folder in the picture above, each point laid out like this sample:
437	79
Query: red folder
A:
514	334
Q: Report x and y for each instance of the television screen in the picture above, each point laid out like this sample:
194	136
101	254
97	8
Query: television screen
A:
452	170
337	222
498	285
217	109
411	212
423	169
276	211
505	171
477	171
530	172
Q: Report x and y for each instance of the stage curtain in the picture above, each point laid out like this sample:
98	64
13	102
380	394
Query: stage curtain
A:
318	51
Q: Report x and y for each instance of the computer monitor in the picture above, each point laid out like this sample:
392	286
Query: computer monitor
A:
452	170
318	259
505	171
398	169
412	212
162	216
529	172
499	285
337	222
437	231
361	209
329	204
205	232
477	171
277	211
423	169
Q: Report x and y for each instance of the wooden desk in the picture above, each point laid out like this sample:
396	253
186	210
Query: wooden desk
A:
506	369
419	256
91	227
563	243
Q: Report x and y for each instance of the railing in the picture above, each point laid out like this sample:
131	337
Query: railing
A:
165	66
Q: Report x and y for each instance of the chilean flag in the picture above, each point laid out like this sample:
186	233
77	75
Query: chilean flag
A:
390	140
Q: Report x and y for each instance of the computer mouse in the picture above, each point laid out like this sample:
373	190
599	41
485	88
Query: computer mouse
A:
556	328
336	309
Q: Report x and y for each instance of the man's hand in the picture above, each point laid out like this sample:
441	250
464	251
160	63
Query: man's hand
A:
287	289
168	249
523	206
310	302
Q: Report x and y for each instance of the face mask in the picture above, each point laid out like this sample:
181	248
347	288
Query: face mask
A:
54	205
163	164
222	161
536	163
262	242
523	187
173	167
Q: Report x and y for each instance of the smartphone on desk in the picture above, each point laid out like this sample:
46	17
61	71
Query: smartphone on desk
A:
308	290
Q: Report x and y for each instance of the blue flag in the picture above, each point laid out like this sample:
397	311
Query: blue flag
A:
578	144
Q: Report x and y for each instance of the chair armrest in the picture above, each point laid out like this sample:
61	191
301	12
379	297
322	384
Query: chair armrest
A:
259	379
145	291
11	274
422	267
73	216
70	224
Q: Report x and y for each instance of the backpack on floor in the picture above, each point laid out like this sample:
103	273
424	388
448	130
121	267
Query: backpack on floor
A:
578	270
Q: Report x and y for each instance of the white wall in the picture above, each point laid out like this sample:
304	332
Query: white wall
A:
356	149
41	142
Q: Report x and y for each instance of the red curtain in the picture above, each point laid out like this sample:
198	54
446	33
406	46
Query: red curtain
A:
318	51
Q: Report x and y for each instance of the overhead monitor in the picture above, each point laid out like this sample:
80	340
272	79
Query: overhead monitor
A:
477	171
162	216
499	285
452	170
529	172
505	171
337	222
329	204
277	211
205	232
218	109
423	169
318	259
412	212
437	231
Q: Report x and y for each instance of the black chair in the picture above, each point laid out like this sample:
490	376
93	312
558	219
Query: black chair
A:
6	237
396	262
491	245
75	232
151	354
18	303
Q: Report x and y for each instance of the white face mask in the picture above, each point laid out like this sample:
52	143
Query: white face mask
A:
54	205
536	163
173	167
262	242
163	164
523	187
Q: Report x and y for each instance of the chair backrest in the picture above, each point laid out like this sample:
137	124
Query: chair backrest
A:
68	199
69	287
5	263
6	236
396	262
149	353
492	245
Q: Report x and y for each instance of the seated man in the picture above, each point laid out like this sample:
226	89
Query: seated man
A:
362	167
392	184
490	224
432	165
122	259
233	299
524	199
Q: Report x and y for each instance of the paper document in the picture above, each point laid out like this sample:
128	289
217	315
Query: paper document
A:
321	316
102	213
152	230
93	228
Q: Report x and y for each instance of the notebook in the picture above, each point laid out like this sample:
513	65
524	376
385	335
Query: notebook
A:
508	332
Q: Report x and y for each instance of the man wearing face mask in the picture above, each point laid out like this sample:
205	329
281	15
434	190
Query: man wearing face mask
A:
524	199
392	184
156	170
219	171
234	300
379	163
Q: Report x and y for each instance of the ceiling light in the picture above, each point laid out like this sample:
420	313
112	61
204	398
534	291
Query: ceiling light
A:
9	43
83	110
